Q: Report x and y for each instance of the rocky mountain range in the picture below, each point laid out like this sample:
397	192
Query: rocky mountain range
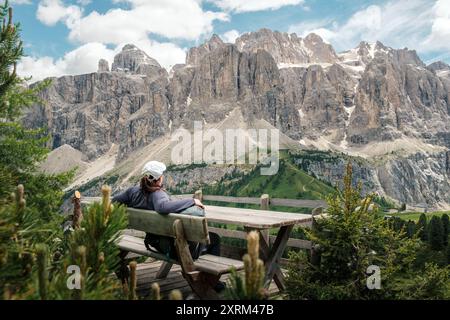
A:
378	103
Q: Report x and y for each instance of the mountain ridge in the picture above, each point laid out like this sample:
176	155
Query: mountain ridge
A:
348	102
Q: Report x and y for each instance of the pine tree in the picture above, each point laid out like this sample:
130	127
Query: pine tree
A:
448	254
422	227
436	234
410	229
350	239
21	149
30	215
446	227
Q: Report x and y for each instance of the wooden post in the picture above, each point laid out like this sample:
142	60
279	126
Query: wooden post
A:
265	200
133	281
198	195
77	213
315	248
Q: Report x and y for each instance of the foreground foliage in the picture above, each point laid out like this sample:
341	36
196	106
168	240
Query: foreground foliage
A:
251	286
350	244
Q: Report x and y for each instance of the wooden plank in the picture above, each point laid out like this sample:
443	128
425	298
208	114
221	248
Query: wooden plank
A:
247	200
298	203
275	215
295	203
216	268
247	221
259	219
238	264
134	233
129	243
150	275
195	228
247	217
295	243
237	234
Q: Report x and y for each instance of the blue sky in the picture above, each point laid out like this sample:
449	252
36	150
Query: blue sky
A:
70	36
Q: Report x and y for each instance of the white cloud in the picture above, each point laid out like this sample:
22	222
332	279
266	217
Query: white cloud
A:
439	37
81	60
230	36
397	24
85	59
239	6
50	12
183	19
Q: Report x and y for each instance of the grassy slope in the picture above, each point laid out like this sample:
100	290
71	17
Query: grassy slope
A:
290	182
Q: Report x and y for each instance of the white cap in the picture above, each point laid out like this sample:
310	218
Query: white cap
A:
154	168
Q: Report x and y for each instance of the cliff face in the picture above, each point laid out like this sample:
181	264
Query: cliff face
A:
415	180
91	112
366	101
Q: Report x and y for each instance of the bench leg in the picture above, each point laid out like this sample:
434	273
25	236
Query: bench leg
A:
164	270
203	284
123	273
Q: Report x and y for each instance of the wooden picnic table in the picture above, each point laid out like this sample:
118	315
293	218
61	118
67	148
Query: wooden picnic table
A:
261	220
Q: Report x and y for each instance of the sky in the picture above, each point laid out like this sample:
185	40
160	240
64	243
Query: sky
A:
70	36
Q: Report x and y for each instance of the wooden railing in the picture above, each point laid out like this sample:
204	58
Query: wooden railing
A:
264	202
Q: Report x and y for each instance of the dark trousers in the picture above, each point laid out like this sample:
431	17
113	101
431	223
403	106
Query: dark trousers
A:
198	249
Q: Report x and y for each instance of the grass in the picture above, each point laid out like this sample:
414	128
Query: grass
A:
291	182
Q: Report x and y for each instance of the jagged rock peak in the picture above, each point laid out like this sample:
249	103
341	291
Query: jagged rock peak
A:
132	59
288	48
195	54
439	66
365	52
103	65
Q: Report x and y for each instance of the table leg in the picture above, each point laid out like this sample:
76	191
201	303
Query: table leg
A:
264	243
272	262
265	253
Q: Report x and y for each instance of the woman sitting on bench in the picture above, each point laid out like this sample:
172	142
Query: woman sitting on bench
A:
150	195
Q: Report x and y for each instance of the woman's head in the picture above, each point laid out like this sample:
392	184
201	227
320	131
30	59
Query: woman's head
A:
152	179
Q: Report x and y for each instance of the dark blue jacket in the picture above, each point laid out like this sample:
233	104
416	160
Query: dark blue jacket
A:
158	201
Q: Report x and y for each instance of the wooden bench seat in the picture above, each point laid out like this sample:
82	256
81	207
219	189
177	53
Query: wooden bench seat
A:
201	274
207	263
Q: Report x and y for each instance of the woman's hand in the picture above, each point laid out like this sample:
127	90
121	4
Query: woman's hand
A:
198	203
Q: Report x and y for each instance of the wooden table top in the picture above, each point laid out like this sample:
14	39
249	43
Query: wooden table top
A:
259	219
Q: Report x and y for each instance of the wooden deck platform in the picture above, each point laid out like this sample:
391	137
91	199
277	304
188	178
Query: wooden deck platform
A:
146	273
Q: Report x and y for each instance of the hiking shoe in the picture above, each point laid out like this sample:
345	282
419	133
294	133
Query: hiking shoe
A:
220	286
